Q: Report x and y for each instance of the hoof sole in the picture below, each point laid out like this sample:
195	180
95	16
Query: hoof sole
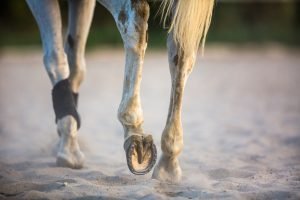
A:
141	154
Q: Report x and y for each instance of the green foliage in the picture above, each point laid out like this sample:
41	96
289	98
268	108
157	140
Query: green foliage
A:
239	23
256	23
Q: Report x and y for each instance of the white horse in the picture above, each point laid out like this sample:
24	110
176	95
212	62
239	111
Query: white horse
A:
65	64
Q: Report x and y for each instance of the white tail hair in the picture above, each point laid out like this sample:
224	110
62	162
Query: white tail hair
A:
190	22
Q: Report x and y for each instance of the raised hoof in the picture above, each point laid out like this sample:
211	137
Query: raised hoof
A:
141	153
167	170
74	160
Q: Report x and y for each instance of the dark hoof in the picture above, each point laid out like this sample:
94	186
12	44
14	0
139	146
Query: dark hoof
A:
141	153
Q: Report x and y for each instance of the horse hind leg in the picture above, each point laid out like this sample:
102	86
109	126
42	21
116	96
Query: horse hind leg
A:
181	64
131	18
47	15
79	22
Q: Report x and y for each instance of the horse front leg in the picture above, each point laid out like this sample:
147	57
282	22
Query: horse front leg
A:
181	65
48	17
131	19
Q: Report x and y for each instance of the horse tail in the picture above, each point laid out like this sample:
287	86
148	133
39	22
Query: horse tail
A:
190	21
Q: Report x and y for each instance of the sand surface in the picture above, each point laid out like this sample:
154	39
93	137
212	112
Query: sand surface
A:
241	118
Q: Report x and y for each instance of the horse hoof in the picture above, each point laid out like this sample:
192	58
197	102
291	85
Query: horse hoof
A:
141	153
167	170
74	160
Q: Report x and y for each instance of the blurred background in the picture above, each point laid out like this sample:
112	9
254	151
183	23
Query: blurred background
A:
239	22
241	108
